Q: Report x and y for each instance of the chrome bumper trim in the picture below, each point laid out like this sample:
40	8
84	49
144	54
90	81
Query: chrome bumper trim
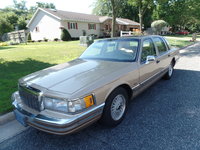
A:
60	126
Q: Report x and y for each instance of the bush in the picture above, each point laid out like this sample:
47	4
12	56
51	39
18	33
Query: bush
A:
56	39
13	43
29	37
45	39
3	44
158	25
65	36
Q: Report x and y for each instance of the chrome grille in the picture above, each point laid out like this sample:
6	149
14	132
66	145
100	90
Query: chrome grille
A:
30	97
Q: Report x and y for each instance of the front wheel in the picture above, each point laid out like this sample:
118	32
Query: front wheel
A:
115	108
169	73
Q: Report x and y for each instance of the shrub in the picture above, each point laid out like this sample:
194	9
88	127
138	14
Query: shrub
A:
56	39
158	25
29	37
45	39
3	44
65	36
13	43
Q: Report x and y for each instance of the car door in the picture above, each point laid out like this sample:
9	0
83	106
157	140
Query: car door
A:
147	69
163	54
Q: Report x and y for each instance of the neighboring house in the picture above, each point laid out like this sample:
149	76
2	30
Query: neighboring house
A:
48	24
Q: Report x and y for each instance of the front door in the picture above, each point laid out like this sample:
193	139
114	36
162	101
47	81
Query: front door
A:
147	69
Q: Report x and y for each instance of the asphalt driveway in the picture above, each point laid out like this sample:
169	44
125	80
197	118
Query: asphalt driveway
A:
166	116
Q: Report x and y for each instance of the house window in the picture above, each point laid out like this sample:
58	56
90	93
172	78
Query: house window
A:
106	26
72	25
92	26
37	29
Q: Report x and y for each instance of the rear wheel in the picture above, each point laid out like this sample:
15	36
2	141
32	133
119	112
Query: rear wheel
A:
170	71
115	108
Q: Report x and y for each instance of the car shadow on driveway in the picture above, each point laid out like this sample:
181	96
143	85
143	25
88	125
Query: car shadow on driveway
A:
165	116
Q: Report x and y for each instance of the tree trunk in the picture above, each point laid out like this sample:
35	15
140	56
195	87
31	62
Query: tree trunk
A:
140	19
113	34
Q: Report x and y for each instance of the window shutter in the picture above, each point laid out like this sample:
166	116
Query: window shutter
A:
76	26
95	26
68	25
88	26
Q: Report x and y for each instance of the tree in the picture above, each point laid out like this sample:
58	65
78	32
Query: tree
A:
114	16
41	5
5	26
20	5
124	10
187	12
21	23
45	5
109	8
158	25
142	5
65	36
102	8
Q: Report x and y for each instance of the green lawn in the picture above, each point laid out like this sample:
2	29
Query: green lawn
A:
19	60
180	40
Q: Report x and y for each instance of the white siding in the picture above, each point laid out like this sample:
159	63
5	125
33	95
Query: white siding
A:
75	33
48	26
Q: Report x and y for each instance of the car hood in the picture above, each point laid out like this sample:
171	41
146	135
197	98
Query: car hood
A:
72	76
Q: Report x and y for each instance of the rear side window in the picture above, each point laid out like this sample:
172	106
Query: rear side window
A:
160	45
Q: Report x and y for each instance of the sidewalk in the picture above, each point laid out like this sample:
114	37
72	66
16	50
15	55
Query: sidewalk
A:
10	129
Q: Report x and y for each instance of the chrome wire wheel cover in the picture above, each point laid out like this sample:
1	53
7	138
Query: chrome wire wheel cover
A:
118	107
170	71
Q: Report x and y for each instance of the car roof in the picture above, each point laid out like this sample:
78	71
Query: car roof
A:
132	37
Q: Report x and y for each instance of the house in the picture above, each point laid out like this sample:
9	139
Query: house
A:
48	24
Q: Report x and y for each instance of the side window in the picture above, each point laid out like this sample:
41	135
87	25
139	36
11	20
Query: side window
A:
160	45
147	49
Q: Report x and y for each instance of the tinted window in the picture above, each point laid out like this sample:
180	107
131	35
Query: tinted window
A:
113	49
148	49
160	45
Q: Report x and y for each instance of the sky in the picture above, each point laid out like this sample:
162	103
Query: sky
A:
82	6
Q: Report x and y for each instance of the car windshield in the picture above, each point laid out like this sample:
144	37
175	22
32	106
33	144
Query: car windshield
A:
112	50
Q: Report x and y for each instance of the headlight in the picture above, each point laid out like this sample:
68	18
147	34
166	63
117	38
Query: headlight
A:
68	106
55	104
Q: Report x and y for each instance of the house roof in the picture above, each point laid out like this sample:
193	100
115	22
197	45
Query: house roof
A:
74	16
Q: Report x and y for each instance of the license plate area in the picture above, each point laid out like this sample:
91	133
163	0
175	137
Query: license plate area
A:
21	118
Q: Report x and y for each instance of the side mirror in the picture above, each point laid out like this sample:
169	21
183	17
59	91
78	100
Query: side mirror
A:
150	58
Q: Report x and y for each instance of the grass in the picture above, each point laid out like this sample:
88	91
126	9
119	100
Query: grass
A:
180	40
19	60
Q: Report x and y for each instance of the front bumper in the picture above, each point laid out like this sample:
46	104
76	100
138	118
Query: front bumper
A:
54	122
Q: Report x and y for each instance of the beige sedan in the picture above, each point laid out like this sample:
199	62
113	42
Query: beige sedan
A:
96	86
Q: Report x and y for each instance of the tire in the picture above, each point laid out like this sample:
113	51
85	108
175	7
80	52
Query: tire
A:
115	108
169	73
